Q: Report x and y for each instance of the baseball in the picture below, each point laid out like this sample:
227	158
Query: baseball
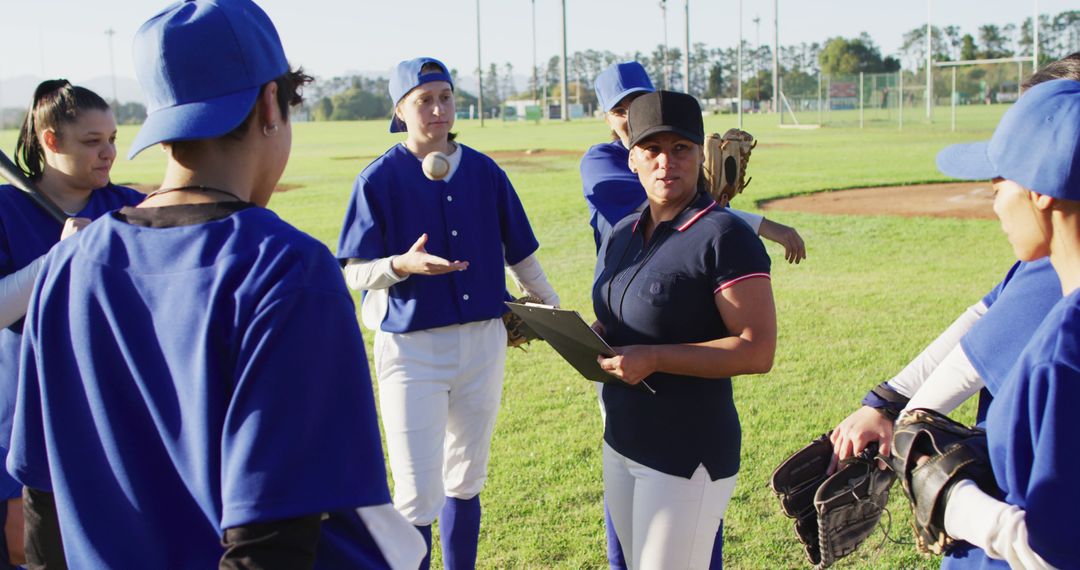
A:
436	166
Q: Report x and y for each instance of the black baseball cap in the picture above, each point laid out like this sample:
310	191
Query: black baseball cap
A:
665	112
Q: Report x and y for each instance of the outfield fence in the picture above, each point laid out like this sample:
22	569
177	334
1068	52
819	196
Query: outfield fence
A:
896	99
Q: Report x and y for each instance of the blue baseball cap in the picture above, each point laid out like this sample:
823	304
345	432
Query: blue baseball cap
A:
620	80
1036	144
406	77
201	65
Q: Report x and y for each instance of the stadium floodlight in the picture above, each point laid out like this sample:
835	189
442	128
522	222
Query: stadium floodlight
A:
686	56
479	69
565	101
738	74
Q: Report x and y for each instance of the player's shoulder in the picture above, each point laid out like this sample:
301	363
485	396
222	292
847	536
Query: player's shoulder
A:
471	155
385	165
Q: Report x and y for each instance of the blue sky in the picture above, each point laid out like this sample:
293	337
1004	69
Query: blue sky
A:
48	38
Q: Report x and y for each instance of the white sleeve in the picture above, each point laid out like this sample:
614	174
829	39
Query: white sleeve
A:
365	274
994	526
912	377
15	292
529	278
949	385
400	543
753	220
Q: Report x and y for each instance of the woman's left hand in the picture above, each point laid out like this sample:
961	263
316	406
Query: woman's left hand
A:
631	364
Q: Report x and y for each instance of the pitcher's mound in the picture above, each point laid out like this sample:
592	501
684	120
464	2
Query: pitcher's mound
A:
972	200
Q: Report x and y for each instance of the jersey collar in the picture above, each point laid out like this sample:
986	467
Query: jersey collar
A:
698	207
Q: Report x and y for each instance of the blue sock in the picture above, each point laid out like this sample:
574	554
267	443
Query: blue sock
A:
614	548
718	549
426	532
459	530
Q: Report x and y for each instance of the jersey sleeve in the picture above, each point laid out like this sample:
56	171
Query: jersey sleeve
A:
737	255
362	231
518	239
300	435
994	293
1052	492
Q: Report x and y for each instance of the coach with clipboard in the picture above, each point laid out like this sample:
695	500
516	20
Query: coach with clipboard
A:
683	297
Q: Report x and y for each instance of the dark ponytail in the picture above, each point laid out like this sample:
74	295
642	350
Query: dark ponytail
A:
56	103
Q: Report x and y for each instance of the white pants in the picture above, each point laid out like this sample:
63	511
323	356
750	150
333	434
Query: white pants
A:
664	521
439	392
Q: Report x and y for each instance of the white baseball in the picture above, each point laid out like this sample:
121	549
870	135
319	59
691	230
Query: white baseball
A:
435	166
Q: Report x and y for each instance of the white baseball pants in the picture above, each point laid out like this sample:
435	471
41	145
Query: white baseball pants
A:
439	393
664	521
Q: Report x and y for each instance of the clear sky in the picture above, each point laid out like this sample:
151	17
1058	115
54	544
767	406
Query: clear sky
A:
52	38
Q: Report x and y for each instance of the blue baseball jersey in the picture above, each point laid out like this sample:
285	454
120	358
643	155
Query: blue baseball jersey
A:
475	216
1016	307
1031	433
27	233
664	292
612	191
180	381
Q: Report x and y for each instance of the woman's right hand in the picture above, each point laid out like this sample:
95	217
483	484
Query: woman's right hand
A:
863	427
417	261
72	227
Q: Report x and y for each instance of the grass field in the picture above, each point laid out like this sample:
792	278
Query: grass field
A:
872	293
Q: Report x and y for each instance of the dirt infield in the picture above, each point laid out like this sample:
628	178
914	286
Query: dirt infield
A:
971	200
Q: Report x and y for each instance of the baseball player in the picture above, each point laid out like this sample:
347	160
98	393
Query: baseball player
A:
612	192
430	255
67	145
195	392
973	353
1034	161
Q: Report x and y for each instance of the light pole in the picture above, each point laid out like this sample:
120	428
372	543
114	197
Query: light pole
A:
112	65
776	57
1035	39
479	69
686	56
757	57
565	101
536	81
738	74
663	48
929	65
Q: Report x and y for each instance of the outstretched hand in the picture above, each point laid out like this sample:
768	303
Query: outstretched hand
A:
417	261
794	248
858	430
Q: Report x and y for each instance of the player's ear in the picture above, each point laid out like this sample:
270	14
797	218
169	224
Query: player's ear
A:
50	140
269	113
630	162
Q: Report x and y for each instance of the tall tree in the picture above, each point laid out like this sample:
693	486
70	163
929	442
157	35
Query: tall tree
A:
842	56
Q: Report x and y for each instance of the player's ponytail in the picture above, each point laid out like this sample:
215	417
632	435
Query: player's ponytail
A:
56	103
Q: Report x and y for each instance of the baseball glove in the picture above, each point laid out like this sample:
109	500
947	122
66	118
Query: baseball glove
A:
726	159
517	332
954	452
835	513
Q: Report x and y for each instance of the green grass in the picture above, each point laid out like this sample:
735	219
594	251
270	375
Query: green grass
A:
872	293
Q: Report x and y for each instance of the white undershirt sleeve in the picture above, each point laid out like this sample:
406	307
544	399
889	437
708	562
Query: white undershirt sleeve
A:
366	274
400	543
949	385
915	374
15	292
530	279
752	220
994	526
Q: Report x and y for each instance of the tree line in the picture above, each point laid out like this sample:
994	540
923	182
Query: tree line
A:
714	71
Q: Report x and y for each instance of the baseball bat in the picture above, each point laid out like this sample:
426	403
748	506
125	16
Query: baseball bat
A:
15	176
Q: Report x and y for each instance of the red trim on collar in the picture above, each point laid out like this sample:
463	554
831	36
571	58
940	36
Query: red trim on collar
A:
691	221
633	230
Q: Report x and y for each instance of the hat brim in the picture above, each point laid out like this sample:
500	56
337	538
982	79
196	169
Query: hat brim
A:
623	94
696	138
197	120
968	161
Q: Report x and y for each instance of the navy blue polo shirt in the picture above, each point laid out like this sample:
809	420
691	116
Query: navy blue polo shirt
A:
663	292
475	216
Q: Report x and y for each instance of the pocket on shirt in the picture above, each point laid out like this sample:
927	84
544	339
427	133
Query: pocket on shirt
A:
657	288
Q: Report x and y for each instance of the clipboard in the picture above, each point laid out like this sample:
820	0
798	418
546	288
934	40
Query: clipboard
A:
571	337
